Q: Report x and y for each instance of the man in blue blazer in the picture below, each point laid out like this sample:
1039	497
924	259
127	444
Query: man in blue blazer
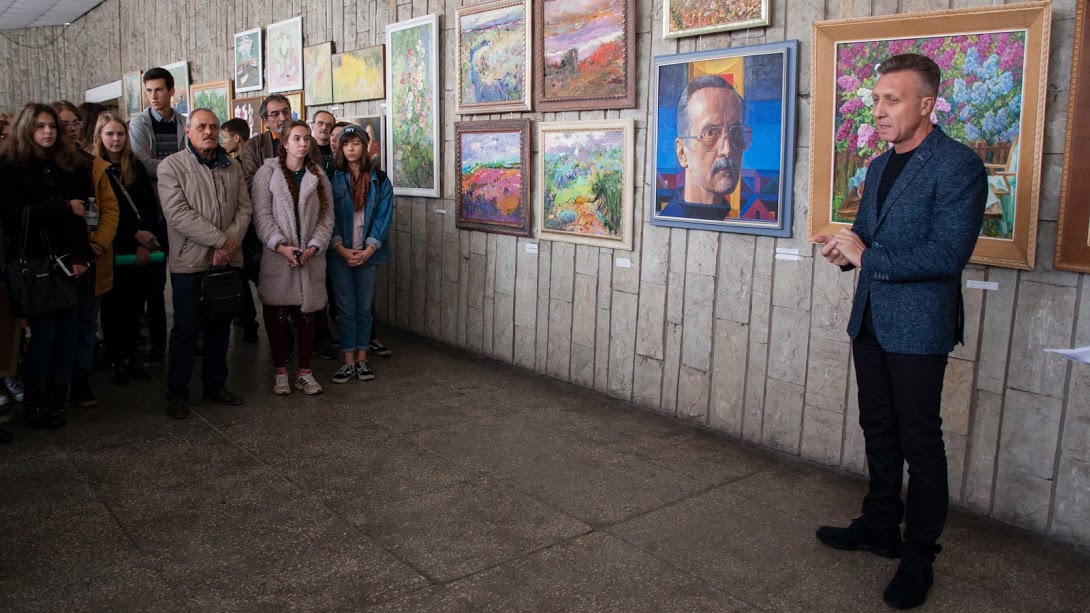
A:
921	212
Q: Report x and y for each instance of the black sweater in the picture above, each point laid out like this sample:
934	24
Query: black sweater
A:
143	196
45	190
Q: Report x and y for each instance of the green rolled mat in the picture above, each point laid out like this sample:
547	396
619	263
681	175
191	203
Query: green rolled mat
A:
129	259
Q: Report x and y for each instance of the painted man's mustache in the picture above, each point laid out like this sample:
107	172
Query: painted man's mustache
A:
722	164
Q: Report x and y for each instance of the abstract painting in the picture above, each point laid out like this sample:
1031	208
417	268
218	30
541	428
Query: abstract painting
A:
132	90
586	182
285	59
249	110
586	54
298	110
375	127
214	96
318	73
493	57
249	68
694	17
991	98
493	179
1073	231
413	98
730	172
359	75
180	72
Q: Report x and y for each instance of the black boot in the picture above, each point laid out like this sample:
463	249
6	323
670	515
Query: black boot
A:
35	412
5	435
81	390
58	395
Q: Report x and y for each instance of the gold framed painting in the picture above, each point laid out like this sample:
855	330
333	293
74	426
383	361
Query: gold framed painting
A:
214	96
298	109
994	63
682	18
1073	231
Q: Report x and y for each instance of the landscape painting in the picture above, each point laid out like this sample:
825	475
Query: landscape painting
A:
286	56
493	182
180	72
359	75
249	69
413	98
132	90
695	17
586	176
586	55
249	110
318	73
214	96
492	60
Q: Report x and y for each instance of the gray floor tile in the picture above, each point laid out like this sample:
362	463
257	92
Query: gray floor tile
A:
41	483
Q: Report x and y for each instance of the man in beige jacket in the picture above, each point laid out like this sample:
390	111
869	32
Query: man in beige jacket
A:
207	210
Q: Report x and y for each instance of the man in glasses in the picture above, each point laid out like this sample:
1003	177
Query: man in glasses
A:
711	139
276	111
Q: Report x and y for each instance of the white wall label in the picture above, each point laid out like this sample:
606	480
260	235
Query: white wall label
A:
624	263
788	256
985	285
441	211
787	251
531	247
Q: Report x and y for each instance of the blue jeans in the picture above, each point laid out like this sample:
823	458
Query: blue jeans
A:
188	322
86	320
354	290
50	350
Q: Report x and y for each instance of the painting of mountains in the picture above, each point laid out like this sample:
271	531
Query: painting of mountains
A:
493	186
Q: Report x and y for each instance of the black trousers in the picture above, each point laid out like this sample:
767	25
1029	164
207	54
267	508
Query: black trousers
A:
899	399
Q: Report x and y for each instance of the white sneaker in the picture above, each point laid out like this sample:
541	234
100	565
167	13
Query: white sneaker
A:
308	384
15	388
281	387
5	400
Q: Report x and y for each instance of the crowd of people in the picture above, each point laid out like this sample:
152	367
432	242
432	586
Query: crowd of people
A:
300	211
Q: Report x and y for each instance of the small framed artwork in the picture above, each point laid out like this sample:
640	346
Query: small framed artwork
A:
298	109
493	57
1073	232
493	179
180	72
359	75
586	55
249	110
318	73
695	17
132	89
724	139
249	68
286	55
214	96
413	99
586	182
374	126
994	64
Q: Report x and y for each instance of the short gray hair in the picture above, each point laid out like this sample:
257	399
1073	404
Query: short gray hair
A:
712	81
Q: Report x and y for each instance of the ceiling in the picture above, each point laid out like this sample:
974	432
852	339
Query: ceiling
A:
34	13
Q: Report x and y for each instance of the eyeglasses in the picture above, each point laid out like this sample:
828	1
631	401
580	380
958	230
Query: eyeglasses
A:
284	113
73	124
741	137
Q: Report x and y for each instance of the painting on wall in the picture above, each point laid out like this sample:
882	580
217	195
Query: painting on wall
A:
1073	231
214	96
249	69
249	110
180	72
586	54
132	90
694	17
375	127
359	75
493	179
298	109
318	73
413	98
586	182
493	57
729	171
994	64
286	55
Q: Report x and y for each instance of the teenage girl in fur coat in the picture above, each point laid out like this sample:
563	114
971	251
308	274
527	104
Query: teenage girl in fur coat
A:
293	216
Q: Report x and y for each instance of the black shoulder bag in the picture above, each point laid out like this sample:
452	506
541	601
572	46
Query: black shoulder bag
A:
38	285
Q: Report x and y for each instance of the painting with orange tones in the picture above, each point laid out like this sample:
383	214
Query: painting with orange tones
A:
493	182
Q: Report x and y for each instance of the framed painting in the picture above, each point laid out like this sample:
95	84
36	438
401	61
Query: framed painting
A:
180	72
493	57
286	55
249	69
724	139
359	75
994	64
493	180
1073	230
586	55
214	96
586	182
298	108
132	90
318	73
249	110
694	17
374	126
412	106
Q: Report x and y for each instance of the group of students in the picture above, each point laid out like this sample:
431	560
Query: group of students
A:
83	186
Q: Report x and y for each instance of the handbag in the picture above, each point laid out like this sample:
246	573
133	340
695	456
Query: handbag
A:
221	294
38	285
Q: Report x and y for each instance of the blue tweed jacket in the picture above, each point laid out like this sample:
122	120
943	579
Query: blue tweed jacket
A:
918	246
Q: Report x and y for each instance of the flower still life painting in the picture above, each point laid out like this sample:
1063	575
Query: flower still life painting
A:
413	97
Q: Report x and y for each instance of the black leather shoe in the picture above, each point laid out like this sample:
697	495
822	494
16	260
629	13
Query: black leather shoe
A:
35	411
859	536
58	397
910	584
177	409
224	396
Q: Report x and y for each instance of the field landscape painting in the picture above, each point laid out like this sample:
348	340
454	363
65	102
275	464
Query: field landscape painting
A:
214	96
695	17
493	58
493	182
585	55
586	176
359	75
